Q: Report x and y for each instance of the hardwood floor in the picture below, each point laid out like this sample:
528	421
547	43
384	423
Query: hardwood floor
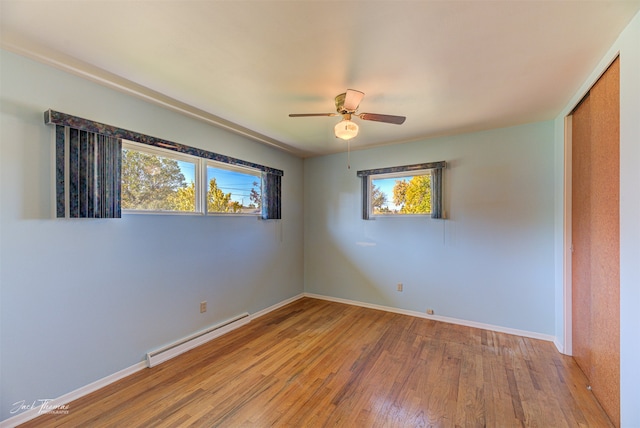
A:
315	363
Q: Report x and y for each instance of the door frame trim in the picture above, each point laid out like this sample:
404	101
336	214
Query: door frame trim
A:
567	237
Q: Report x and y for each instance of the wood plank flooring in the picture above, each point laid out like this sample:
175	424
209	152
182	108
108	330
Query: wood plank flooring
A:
315	363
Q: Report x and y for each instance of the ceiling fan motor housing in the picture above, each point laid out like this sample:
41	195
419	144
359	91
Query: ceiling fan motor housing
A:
340	104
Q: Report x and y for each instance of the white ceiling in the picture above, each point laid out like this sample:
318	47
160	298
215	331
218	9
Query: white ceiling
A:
448	66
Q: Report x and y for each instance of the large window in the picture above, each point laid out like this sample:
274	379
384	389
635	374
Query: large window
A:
158	180
101	169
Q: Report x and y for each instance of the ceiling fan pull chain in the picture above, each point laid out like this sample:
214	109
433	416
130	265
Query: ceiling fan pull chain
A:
348	154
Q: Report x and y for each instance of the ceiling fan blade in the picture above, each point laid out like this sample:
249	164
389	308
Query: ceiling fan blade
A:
312	114
352	99
386	118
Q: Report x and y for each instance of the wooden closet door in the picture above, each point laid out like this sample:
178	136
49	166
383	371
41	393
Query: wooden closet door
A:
581	235
596	239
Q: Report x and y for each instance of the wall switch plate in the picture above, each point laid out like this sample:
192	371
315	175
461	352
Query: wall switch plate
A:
203	306
399	286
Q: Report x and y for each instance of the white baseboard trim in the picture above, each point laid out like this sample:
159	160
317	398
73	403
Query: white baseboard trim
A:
559	345
449	320
276	306
101	383
71	396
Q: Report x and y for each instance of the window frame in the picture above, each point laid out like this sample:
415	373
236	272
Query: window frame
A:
170	154
398	174
200	176
437	211
235	168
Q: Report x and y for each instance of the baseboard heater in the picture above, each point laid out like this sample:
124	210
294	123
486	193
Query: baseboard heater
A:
185	344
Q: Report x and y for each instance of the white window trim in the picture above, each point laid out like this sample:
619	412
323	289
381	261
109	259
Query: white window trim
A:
231	167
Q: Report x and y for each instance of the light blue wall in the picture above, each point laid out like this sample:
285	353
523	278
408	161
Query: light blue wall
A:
83	299
628	47
491	262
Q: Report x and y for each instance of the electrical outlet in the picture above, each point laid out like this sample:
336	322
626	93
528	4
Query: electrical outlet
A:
399	286
203	306
429	311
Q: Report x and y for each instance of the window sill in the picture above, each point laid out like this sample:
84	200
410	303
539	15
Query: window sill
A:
179	213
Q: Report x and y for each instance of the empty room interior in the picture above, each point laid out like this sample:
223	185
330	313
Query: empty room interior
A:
317	213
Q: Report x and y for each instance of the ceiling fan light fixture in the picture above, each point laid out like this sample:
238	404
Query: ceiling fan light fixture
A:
346	129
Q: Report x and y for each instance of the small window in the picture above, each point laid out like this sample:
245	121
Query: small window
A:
233	190
158	180
403	191
401	194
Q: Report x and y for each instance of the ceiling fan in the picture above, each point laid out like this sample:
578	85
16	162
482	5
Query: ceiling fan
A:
346	106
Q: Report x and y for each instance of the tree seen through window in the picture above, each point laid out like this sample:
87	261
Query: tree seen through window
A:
401	195
153	182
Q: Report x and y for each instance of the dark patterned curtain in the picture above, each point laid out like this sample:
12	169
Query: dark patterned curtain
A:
271	196
365	197
88	180
436	193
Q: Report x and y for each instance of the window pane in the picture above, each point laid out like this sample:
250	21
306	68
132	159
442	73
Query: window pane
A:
401	195
232	190
157	183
